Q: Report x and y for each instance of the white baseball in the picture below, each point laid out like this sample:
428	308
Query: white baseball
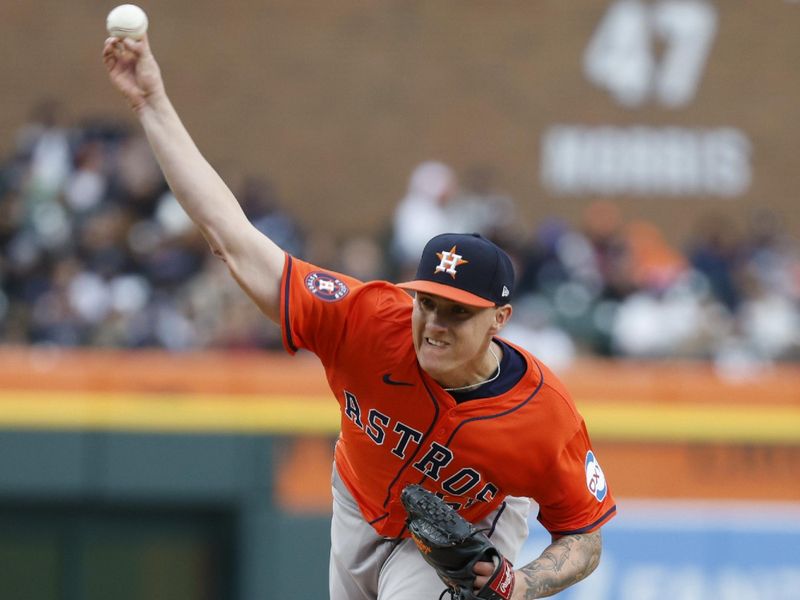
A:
127	20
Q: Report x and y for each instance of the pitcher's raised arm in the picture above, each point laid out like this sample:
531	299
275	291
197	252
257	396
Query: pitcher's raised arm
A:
253	259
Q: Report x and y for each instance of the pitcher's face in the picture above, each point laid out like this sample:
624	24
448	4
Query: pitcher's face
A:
451	339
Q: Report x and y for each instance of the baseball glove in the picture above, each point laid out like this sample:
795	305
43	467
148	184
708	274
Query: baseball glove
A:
452	546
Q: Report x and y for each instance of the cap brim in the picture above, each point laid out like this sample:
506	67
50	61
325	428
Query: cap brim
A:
446	291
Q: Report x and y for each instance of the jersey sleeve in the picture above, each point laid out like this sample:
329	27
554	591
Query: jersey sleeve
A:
315	306
577	498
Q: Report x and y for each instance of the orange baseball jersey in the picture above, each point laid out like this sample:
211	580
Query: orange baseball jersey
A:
399	426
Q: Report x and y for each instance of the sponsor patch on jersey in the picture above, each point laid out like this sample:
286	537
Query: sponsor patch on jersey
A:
326	287
595	480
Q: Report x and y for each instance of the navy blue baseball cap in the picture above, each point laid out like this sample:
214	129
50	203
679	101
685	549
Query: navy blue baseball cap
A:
465	268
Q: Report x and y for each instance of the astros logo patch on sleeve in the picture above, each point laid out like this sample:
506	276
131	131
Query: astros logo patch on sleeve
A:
326	287
595	479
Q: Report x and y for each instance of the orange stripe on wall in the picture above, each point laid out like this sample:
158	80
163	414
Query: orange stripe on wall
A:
716	471
277	373
109	370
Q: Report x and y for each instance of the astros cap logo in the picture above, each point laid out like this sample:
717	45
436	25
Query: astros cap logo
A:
487	281
448	261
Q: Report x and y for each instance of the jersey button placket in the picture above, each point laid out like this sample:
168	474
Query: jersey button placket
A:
446	424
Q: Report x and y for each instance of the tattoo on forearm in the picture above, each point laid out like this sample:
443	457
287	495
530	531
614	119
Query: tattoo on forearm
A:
564	562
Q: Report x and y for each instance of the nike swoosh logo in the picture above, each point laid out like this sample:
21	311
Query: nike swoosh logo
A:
387	378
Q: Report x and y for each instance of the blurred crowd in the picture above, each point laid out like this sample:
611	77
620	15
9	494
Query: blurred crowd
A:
617	287
96	251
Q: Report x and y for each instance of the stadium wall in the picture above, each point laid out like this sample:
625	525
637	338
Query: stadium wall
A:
359	93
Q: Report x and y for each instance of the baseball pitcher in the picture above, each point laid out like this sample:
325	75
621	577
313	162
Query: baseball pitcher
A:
448	431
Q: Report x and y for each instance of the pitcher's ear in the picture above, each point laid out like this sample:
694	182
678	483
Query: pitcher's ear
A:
501	316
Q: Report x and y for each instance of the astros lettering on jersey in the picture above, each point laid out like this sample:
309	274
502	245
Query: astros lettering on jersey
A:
400	427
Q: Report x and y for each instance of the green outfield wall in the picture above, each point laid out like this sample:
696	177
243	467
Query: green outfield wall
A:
98	515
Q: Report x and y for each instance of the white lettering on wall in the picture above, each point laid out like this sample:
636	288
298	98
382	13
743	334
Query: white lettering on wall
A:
623	55
646	161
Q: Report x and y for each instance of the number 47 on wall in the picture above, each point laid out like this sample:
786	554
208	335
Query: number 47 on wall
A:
643	51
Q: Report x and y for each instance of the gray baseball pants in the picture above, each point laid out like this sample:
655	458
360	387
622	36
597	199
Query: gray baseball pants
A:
366	566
